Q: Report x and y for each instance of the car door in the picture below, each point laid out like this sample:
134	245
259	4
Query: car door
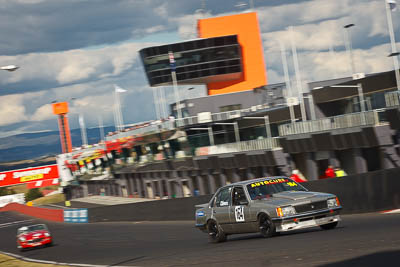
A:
240	211
221	208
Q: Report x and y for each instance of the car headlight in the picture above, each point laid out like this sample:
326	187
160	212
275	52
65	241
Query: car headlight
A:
46	234
333	202
22	239
285	211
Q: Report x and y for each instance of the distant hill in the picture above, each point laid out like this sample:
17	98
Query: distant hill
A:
34	149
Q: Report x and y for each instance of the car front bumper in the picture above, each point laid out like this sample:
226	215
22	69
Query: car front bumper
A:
27	244
306	220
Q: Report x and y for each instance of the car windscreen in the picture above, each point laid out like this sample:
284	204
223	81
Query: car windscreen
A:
268	187
37	227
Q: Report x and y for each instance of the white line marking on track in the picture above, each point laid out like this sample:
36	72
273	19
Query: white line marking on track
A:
56	263
12	223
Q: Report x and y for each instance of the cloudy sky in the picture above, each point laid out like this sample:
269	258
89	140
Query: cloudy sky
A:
76	50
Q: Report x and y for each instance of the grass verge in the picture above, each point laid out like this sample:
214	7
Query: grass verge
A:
56	198
9	261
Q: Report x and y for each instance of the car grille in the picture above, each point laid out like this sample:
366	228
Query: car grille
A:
35	240
311	206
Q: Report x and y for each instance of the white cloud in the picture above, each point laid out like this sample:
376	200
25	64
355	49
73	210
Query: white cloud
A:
12	109
74	65
44	112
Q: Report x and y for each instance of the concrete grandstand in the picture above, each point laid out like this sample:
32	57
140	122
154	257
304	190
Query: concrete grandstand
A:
244	128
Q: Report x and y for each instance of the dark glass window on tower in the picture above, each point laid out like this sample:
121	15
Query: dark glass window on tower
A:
195	60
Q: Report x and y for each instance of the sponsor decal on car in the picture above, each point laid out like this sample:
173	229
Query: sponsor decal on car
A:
200	213
239	214
267	182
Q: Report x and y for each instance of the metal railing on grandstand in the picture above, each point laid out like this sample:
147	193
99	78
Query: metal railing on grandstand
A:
258	144
220	116
368	118
392	99
146	129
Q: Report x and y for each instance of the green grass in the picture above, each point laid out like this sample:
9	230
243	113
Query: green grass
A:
8	261
56	198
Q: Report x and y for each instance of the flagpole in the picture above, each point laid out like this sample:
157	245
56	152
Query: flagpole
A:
83	130
121	121
393	42
115	111
101	127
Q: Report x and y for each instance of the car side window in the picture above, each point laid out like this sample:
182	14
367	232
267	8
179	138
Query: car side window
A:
223	198
238	196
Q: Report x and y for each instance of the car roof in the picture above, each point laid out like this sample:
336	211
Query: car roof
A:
255	180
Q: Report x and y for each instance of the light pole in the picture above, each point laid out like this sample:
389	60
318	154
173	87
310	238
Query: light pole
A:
349	46
391	5
156	102
210	133
266	121
287	79
297	73
235	126
175	84
9	68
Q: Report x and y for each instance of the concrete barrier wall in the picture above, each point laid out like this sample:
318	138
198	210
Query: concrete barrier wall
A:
43	213
368	192
159	210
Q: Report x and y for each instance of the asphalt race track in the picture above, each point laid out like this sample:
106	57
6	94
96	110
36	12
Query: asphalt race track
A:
359	240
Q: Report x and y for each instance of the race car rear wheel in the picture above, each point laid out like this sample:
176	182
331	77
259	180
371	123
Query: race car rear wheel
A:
215	233
329	226
267	227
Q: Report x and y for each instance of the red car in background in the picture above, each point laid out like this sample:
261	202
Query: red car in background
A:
33	236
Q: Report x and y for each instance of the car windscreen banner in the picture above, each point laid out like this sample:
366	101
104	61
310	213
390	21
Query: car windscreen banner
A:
27	175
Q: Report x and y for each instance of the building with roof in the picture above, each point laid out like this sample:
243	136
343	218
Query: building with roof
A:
244	128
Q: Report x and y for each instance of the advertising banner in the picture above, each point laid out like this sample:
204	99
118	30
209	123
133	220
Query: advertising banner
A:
76	215
34	174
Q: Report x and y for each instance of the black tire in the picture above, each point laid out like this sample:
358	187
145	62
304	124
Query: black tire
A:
22	249
215	233
267	227
49	244
329	226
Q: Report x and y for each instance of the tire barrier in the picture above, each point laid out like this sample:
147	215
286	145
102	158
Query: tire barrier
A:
55	215
76	215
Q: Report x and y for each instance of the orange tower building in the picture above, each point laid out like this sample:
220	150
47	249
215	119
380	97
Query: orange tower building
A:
61	109
246	27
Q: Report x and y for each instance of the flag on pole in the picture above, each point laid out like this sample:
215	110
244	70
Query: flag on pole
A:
171	60
392	4
119	89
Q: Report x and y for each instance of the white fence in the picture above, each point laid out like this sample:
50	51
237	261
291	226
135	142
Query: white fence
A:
259	144
331	123
392	99
16	198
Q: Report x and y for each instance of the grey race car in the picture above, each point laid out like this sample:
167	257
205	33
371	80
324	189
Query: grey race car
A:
266	205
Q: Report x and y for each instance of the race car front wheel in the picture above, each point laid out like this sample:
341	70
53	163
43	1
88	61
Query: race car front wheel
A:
215	233
267	227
